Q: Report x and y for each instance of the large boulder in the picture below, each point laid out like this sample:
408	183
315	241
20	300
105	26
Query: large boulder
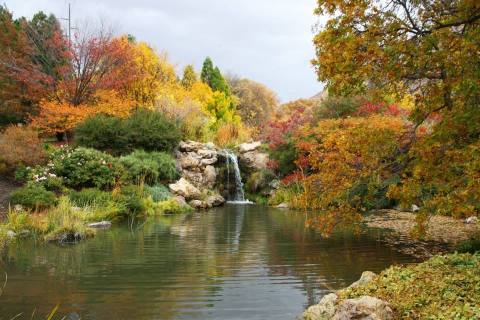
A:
185	189
363	308
194	146
254	160
215	200
324	310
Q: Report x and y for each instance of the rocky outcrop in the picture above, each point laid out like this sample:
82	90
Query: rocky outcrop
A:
185	189
363	308
196	162
251	157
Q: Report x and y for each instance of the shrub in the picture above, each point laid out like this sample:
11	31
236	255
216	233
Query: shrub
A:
33	196
90	197
144	129
150	167
82	167
136	200
151	131
158	192
171	206
21	146
102	132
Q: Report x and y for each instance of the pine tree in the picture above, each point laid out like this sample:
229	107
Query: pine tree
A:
207	71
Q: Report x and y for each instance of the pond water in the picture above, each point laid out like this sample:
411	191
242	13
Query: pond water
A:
235	262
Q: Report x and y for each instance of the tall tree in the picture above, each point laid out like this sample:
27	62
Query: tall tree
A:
213	77
256	104
189	77
207	71
427	47
22	83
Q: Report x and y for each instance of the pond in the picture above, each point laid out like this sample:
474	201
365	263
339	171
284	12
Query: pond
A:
235	262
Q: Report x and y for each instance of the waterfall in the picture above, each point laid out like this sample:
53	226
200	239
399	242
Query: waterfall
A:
232	159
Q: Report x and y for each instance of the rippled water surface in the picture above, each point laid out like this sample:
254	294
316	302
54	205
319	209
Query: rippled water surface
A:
236	262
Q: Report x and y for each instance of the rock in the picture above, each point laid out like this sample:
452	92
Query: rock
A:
247	147
415	208
363	308
215	201
367	276
209	176
324	310
100	225
188	161
198	204
471	220
209	161
282	205
195	178
18	208
255	160
185	189
207	153
180	200
11	234
190	146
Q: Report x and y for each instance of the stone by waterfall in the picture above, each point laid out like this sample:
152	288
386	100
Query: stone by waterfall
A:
232	160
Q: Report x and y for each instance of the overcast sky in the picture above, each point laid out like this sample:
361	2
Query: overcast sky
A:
269	41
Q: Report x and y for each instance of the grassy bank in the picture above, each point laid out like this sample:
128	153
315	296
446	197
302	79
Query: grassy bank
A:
444	287
68	220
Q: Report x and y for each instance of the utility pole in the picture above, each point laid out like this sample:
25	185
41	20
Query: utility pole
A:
69	19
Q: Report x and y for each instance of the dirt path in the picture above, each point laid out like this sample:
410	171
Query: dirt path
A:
6	188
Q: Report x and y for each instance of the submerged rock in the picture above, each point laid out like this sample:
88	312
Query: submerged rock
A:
100	225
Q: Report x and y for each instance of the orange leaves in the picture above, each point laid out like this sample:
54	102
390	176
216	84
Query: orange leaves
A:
340	152
62	116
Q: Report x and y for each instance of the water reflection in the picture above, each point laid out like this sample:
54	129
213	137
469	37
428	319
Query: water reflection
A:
236	262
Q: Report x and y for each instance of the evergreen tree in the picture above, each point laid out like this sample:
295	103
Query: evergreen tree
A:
213	77
207	71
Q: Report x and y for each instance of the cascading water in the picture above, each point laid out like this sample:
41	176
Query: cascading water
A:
239	196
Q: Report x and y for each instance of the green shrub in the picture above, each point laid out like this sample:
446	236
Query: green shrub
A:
144	129
134	198
151	131
338	107
90	197
171	206
149	167
33	196
83	168
103	132
285	155
158	192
